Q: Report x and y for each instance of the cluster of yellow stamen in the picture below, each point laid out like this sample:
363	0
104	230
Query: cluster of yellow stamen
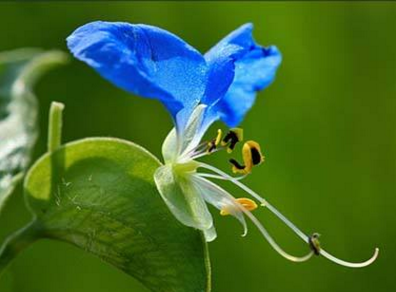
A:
251	151
251	155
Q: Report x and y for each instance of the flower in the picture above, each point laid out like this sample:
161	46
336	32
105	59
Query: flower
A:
197	90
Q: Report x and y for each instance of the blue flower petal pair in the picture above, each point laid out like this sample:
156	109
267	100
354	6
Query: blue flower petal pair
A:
154	63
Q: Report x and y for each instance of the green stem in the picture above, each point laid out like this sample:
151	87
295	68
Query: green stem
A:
55	126
17	242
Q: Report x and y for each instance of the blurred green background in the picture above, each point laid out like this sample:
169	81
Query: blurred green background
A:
327	128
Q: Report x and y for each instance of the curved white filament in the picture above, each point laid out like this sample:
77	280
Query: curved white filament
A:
301	234
272	242
349	264
261	228
264	202
202	154
209	175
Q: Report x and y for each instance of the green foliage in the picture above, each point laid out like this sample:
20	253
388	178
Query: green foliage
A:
19	71
99	194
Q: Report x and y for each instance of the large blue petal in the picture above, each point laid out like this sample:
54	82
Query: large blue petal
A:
221	59
238	68
143	60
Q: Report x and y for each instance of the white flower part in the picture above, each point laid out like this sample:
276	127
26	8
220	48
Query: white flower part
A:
170	147
181	197
186	192
179	145
174	179
220	199
238	211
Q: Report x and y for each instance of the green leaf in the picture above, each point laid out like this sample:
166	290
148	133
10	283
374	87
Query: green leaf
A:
19	70
99	194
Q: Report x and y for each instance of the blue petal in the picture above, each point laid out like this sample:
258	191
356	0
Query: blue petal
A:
238	68
143	60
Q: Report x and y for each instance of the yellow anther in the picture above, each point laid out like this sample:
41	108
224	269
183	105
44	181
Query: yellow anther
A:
212	145
218	137
251	154
234	136
239	169
248	204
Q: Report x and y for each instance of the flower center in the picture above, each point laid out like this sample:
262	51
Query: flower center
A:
185	168
251	151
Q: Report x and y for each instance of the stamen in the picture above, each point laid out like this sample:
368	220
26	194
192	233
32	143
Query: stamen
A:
212	145
236	167
209	175
294	228
252	156
261	228
272	242
315	246
234	136
218	137
259	198
203	153
206	148
314	243
255	152
349	264
248	204
197	150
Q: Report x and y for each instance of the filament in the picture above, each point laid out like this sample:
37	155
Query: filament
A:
196	150
263	202
203	153
209	175
272	242
293	227
349	264
261	228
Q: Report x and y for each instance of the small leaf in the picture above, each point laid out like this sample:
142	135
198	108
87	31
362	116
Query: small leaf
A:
99	194
19	71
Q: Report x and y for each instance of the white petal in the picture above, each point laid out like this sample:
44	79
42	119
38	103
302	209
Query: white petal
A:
210	234
191	136
170	147
182	199
219	198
